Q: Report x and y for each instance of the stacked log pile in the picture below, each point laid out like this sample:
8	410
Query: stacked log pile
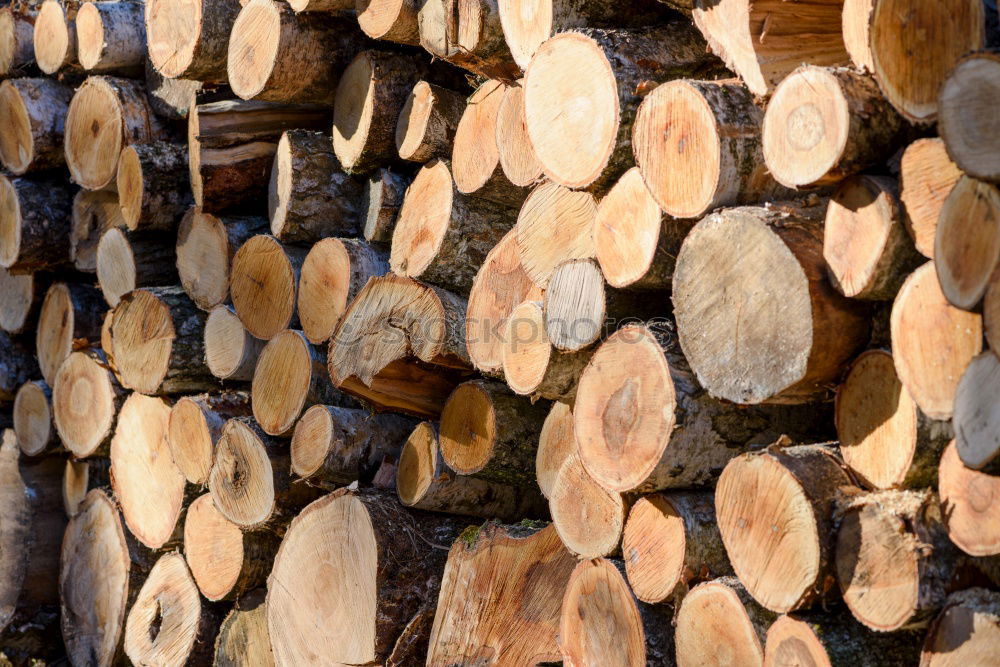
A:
500	332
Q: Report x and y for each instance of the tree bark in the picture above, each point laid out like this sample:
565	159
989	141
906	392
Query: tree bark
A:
835	638
36	223
17	366
965	630
80	477
111	37
94	212
383	199
32	140
243	636
468	35
153	185
17	49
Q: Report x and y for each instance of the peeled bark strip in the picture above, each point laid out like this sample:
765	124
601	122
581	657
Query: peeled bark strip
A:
974	416
33	424
389	20
243	636
967	242
517	156
86	398
556	443
835	639
969	505
531	366
105	115
264	279
129	260
476	156
719	623
111	37
153	185
230	350
468	34
17	49
581	95
763	326
190	40
79	478
932	342
588	517
966	104
32	137
492	572
885	439
71	314
34	224
427	122
54	36
94	212
670	542
554	225
17	366
383	199
966	632
310	197
195	427
442	235
926	178
787	491
21	297
333	446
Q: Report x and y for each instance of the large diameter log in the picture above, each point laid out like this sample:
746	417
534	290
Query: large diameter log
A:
33	426
379	567
932	342
926	178
835	639
264	278
32	137
974	416
724	611
17	366
427	121
129	260
389	20
94	212
967	96
86	398
21	296
79	478
34	224
190	40
243	638
967	242
153	186
531	366
71	313
230	350
517	156
515	564
580	95
17	49
969	505
111	37
55	36
556	443
195	427
588	517
554	225
763	326
383	199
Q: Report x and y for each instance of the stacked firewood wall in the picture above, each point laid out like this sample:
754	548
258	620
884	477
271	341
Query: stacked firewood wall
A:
500	332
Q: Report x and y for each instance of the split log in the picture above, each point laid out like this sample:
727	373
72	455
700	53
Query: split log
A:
723	611
467	34
79	478
111	37
772	492
670	542
32	137
333	446
86	399
71	315
765	326
17	49
588	517
966	632
424	481
21	297
517	156
195	427
94	212
105	115
206	245
389	20
974	417
231	352
153	185
243	636
428	120
583	137
263	282
34	224
867	249
554	225
969	505
17	366
54	36
932	342
383	573
926	178
190	40
33	424
964	108
885	439
967	242
530	364
835	639
383	199
442	236
556	443
129	260
157	336
309	196
483	610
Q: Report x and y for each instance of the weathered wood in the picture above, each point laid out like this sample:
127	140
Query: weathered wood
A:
967	242
964	108
427	122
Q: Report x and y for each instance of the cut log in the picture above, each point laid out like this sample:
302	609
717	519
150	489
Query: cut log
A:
964	109
34	224
105	115
21	297
885	439
424	481
763	326
79	478
969	505
17	49
17	366
530	364
554	225
967	242
932	342
243	637
501	596
86	398
389	20
670	542
835	639
468	34
32	137
333	446
517	156
129	260
966	632
786	491
443	236
190	40
195	427
581	95
856	25
974	416
910	75
576	308
173	98
588	517
723	611
556	443
153	185
157	337
71	315
54	36
111	37
428	120
263	281
206	245
310	197
926	178
867	249
383	199
231	352
33	424
94	212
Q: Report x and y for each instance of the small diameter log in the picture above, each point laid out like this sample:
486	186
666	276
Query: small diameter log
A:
856	24
157	337
495	569
554	225
105	115
17	366
21	296
491	433
964	108
468	34
129	260
885	439
333	446
588	517
531	366
79	477
765	326
898	29
442	236
723	611
86	399
581	95
576	306
787	491
517	156
34	224
264	278
111	37
32	137
966	632
974	417
835	638
230	350
716	160
967	242
153	185
310	197
926	178
195	427
206	245
243	637
428	120
969	505
932	342
190	40
54	36
556	443
94	212
279	56
424	481
17	49
389	20
71	315
476	156
33	425
383	199
867	249
225	562
670	542
173	98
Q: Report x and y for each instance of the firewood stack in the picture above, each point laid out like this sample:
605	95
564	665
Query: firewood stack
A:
684	299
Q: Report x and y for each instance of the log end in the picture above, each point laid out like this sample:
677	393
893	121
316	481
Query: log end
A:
83	403
312	441
242	481
213	547
967	242
253	47
190	440
588	517
165	618
970	505
94	134
653	547
52	39
17	145
203	255
423	220
142	333
627	229
281	381
714	610
262	286
33	418
324	285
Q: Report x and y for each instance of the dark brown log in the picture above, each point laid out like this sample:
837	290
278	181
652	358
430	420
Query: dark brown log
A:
967	242
263	284
190	40
195	427
86	399
964	108
94	212
32	137
383	199
974	417
34	224
968	505
21	296
966	632
427	122
926	178
71	316
230	350
17	366
719	623
243	636
54	36
33	425
835	638
153	185
111	37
